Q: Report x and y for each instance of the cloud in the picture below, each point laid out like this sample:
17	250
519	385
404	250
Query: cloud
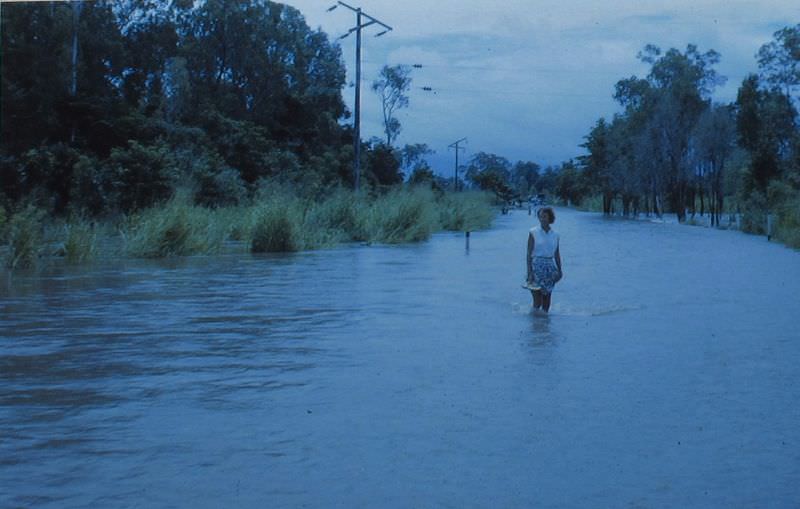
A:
527	80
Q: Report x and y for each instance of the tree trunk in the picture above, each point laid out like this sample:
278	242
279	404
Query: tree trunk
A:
711	207
676	197
656	206
607	203
702	202
73	89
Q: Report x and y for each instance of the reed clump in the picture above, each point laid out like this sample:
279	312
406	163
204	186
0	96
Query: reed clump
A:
275	228
467	211
402	216
80	244
339	217
24	238
177	228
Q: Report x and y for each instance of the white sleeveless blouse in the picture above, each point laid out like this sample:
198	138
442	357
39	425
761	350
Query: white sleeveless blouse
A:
545	243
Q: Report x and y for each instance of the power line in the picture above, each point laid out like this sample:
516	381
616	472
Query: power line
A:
515	68
523	68
436	90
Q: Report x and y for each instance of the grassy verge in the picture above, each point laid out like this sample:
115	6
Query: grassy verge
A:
275	221
787	227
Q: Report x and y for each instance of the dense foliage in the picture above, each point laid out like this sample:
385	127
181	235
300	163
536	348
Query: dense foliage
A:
111	106
672	149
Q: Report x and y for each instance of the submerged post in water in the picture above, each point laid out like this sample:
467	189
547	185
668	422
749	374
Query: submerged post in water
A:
769	227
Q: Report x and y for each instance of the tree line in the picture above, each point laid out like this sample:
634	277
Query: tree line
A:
673	149
110	106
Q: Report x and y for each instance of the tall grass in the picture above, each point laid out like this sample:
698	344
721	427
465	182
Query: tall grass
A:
24	238
277	220
787	227
80	245
467	211
283	223
276	227
338	218
400	216
175	229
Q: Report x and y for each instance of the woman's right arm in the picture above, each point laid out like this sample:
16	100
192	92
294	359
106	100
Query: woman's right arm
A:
529	257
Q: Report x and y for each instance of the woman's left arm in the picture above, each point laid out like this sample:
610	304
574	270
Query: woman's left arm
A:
558	261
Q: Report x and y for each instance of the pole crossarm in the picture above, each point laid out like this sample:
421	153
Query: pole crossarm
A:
456	143
372	19
456	146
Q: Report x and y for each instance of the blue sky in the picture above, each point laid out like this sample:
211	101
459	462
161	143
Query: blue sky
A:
528	79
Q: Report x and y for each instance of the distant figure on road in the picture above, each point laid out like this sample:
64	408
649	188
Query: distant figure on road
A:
543	259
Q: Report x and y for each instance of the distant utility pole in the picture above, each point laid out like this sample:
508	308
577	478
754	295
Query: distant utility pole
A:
457	148
357	120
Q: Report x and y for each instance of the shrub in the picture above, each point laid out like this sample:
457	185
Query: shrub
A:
754	217
220	187
88	187
141	175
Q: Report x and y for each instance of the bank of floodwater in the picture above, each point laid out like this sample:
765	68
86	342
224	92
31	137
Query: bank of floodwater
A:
782	225
276	221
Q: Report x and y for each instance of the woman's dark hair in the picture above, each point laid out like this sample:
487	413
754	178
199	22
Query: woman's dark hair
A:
549	211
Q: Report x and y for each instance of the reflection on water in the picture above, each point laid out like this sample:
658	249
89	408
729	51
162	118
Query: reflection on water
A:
542	335
409	375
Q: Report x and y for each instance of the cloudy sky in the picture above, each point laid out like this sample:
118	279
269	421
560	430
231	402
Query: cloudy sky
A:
527	79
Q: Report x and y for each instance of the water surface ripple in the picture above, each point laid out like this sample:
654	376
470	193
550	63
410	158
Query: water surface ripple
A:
395	376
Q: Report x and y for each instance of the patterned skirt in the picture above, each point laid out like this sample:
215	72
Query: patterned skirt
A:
545	273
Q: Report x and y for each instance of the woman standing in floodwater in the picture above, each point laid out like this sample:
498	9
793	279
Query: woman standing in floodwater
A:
543	259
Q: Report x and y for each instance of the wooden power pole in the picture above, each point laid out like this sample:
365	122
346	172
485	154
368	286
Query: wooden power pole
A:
357	108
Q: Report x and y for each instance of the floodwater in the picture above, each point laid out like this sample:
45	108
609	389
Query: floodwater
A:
667	375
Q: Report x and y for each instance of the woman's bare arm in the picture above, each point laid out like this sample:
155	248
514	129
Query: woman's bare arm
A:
529	257
558	260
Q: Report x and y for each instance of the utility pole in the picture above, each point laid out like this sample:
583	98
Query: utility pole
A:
457	148
357	109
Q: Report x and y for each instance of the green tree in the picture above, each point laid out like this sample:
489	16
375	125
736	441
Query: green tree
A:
491	172
392	86
412	157
714	141
765	124
597	163
383	164
779	60
524	175
666	109
571	184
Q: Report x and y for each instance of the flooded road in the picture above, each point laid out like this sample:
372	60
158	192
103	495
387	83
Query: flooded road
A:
667	375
